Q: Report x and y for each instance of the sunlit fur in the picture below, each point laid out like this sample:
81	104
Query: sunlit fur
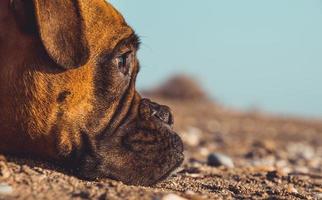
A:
62	100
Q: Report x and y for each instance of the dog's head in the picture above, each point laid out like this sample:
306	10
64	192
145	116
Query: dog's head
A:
67	84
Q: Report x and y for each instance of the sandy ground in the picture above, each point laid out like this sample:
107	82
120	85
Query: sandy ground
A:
258	157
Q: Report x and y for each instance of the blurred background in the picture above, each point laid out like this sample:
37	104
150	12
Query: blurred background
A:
249	54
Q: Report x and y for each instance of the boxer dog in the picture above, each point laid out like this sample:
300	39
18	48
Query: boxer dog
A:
67	92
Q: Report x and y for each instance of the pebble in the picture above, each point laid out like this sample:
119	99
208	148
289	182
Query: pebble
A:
204	151
173	197
315	163
273	175
285	171
318	196
292	189
192	136
300	150
301	169
190	192
81	194
5	189
28	170
3	158
4	170
218	159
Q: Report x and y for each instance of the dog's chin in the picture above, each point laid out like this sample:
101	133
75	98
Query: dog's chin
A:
155	155
145	176
172	171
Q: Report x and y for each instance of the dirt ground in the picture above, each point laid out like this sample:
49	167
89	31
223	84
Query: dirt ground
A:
262	157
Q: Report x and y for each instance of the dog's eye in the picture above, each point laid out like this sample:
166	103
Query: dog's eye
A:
123	62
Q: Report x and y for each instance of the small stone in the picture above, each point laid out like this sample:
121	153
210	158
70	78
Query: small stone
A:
300	151
203	151
3	158
190	192
291	189
173	197
315	163
191	170
28	170
318	190
194	175
218	159
4	170
81	194
301	169
281	163
273	175
318	196
192	136
5	189
284	171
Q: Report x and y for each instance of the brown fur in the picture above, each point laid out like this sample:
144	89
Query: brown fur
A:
62	99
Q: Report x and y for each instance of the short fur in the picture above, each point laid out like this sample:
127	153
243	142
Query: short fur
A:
63	99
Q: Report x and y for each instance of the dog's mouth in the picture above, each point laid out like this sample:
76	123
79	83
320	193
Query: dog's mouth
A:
148	155
143	150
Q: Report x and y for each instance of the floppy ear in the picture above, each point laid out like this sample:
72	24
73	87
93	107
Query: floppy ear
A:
60	26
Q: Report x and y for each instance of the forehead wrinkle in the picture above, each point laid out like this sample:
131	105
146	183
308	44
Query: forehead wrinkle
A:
132	40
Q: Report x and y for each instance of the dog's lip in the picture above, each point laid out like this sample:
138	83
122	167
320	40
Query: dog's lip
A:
171	170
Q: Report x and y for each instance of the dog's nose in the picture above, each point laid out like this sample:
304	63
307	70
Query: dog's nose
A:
150	109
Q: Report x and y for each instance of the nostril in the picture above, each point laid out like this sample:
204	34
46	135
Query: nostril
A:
164	114
150	109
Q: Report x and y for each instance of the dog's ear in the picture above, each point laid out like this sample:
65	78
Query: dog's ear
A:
60	26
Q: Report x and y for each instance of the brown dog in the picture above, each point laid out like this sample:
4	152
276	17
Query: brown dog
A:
67	88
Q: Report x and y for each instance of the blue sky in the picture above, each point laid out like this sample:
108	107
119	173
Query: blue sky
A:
249	53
